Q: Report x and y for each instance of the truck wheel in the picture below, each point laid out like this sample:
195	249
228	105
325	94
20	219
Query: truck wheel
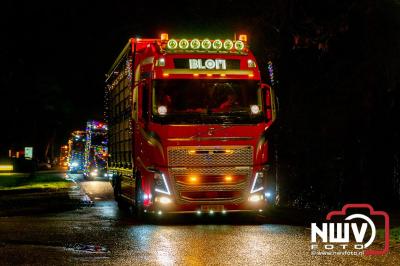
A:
117	194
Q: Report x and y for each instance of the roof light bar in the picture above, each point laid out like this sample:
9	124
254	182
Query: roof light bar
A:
206	44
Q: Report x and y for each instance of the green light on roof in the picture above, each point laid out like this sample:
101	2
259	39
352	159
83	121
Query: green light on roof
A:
195	44
239	45
217	44
172	44
183	44
228	44
206	44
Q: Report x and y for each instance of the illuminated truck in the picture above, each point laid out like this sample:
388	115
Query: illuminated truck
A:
76	147
189	121
96	150
64	153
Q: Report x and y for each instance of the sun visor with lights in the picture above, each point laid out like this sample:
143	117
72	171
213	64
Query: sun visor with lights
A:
205	45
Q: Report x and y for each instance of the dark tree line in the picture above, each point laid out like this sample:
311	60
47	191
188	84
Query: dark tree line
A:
338	130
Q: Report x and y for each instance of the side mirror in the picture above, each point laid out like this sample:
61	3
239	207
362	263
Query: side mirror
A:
269	102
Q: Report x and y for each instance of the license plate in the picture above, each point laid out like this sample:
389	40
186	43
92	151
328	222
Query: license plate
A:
216	208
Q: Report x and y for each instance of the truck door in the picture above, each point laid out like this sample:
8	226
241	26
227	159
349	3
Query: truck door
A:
141	121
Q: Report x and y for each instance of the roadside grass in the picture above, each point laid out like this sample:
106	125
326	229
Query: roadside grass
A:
394	235
36	182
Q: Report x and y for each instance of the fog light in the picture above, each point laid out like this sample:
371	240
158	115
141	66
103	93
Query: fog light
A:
159	212
163	200
268	195
193	178
223	211
211	212
198	212
255	198
228	178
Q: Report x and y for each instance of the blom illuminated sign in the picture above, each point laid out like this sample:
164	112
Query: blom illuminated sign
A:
207	64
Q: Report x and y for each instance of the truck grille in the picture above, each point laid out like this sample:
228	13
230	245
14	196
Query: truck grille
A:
221	173
213	195
210	156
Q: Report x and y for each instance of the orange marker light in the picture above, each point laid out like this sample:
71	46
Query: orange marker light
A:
166	75
243	37
228	178
164	36
228	151
193	178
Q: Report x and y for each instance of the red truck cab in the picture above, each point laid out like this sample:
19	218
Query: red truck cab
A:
188	125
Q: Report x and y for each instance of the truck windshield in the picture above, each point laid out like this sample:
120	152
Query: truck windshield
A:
206	101
78	146
99	139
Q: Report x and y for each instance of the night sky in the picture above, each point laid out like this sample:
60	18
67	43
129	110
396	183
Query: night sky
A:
336	63
54	56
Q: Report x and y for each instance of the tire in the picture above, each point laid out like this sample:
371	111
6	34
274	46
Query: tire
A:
117	194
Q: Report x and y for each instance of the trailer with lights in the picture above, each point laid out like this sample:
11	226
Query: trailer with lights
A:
96	150
64	153
76	148
189	121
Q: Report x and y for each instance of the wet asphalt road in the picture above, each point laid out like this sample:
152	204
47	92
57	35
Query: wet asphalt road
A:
103	235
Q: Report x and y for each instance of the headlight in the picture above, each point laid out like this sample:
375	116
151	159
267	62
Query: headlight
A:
256	197
93	173
74	164
160	184
163	200
257	183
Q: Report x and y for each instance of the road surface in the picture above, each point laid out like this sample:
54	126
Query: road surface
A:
100	234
